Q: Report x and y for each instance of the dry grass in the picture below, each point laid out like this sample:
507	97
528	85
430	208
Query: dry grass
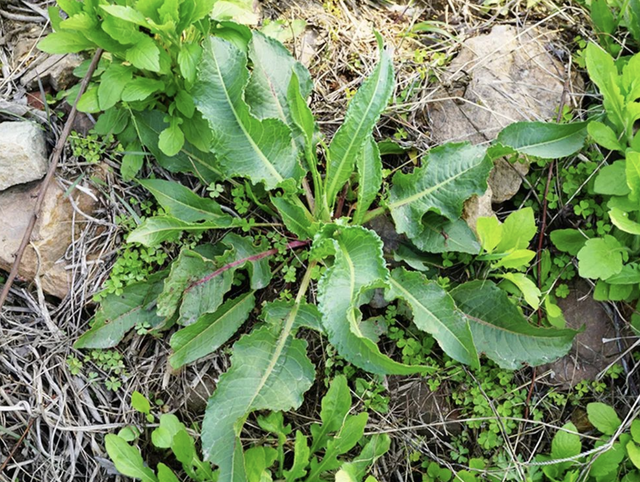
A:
52	422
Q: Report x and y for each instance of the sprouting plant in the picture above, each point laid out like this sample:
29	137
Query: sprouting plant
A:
315	456
313	197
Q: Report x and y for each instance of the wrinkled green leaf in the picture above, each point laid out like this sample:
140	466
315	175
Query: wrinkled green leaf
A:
269	371
273	66
358	265
294	217
260	150
451	174
362	115
502	333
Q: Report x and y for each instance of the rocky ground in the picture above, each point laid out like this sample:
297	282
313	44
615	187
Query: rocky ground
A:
508	64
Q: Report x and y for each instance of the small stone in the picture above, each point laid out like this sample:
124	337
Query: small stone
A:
505	179
591	353
477	207
55	70
23	153
51	236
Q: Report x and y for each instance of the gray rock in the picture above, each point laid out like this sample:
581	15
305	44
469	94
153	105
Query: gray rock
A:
23	153
55	70
477	207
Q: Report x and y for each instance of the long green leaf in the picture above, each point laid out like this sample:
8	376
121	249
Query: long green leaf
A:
358	265
362	115
369	166
182	203
273	66
156	230
545	140
502	333
452	174
127	459
211	331
260	150
120	312
269	371
435	312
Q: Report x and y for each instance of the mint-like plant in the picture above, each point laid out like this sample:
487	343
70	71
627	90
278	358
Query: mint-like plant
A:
314	457
153	50
613	259
264	141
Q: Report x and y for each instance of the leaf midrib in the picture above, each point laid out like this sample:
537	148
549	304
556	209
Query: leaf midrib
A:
352	287
407	295
332	186
415	197
250	140
184	205
546	143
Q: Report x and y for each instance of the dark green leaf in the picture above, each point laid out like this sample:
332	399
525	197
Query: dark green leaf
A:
451	174
362	115
211	331
435	313
119	313
245	146
369	166
502	333
182	203
545	140
358	265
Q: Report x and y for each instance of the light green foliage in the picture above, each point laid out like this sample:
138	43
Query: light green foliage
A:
617	459
607	247
153	50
